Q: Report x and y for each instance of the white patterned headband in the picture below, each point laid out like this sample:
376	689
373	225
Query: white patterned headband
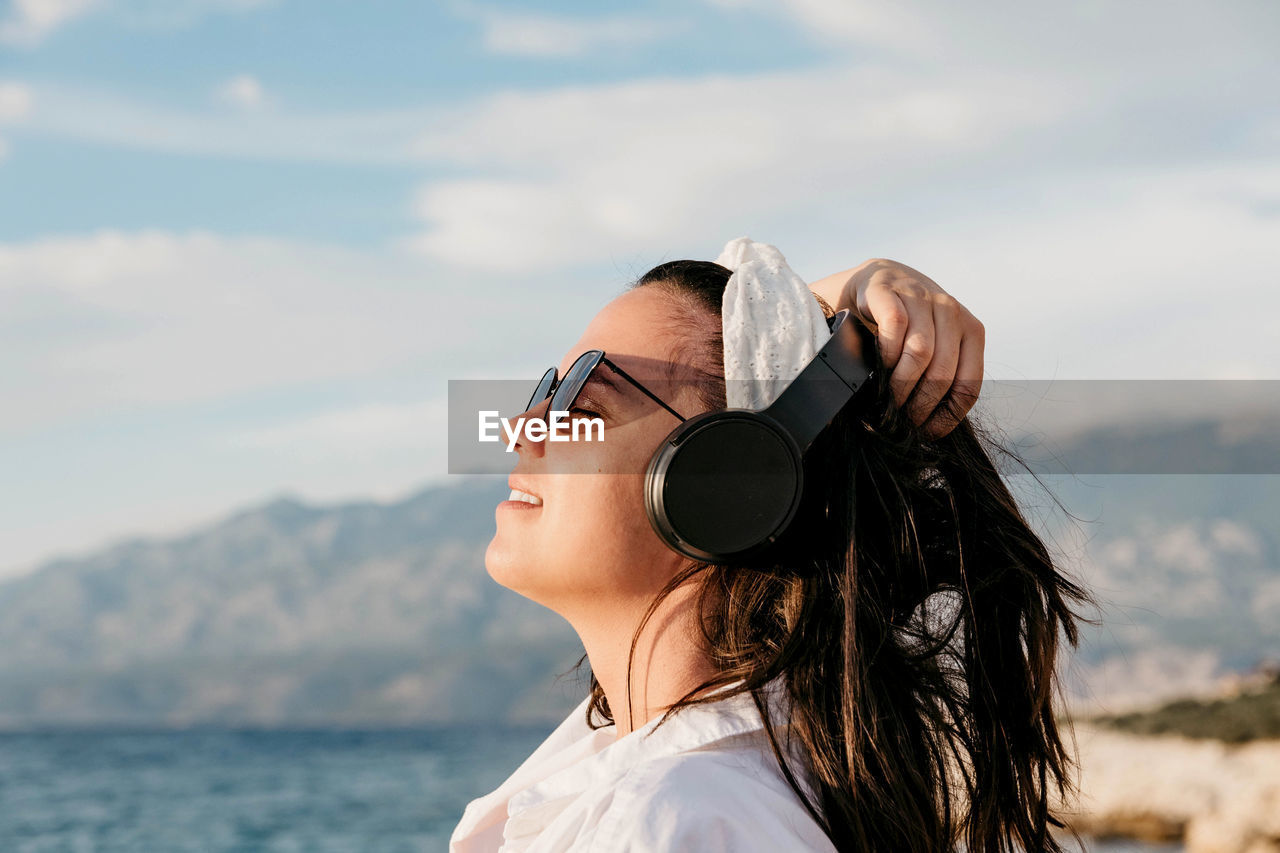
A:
773	324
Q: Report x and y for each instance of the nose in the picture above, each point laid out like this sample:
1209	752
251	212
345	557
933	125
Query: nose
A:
524	444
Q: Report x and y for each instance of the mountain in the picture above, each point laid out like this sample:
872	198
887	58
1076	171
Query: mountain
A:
376	614
1187	569
287	613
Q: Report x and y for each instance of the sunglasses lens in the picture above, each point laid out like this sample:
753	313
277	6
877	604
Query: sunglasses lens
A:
543	390
574	380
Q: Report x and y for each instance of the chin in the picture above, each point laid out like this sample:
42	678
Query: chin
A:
510	567
498	562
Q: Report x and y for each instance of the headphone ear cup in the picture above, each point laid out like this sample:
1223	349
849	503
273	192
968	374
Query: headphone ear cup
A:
724	485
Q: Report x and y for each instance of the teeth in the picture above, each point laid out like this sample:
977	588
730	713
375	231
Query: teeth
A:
517	495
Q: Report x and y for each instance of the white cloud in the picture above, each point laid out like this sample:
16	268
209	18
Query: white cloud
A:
361	433
885	24
107	118
1122	42
1097	196
112	321
109	320
520	34
1155	258
986	92
30	21
1155	265
179	14
15	101
647	162
243	91
986	97
15	104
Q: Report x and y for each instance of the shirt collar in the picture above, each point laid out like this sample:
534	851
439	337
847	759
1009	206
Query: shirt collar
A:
689	728
571	741
575	757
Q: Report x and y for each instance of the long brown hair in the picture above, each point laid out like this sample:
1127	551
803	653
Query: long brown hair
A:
914	621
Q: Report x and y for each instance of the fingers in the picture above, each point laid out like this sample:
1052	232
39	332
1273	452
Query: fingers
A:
941	371
964	391
931	342
904	334
968	384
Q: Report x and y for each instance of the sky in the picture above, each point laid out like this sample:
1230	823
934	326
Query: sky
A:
244	244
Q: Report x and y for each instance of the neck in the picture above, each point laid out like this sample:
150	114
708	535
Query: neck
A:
670	658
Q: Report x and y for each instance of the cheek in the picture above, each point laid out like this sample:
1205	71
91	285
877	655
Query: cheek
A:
603	544
608	541
611	533
591	541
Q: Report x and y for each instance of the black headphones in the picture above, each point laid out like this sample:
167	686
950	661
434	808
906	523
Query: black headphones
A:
724	486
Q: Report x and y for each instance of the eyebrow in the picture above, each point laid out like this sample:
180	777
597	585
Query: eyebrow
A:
639	387
604	379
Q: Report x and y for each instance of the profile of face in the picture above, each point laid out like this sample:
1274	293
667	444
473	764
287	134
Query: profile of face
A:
588	550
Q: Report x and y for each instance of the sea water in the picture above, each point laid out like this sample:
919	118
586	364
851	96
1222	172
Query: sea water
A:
290	791
217	791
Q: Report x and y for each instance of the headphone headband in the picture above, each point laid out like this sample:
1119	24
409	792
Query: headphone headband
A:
814	398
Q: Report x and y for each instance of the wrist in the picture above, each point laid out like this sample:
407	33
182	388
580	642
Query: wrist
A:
838	289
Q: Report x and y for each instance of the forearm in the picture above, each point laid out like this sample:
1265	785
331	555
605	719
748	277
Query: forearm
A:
832	288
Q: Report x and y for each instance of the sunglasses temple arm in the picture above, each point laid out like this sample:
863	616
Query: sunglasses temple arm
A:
652	396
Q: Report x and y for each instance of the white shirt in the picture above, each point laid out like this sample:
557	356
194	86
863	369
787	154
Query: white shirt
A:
706	780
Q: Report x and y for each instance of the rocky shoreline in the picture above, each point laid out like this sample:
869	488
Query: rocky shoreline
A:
1212	796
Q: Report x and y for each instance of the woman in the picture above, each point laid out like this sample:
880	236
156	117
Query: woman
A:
884	684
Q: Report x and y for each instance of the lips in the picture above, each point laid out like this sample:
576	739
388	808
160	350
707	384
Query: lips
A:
520	492
517	495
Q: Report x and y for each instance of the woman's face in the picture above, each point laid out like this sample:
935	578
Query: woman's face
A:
589	548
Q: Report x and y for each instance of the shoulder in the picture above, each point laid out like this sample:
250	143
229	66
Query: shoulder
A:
708	800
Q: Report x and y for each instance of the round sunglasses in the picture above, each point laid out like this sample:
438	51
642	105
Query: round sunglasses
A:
564	392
